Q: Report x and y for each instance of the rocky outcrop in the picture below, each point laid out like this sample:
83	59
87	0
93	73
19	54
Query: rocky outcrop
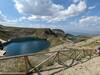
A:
58	32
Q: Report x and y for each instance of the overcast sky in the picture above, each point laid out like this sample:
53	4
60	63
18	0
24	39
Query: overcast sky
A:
69	15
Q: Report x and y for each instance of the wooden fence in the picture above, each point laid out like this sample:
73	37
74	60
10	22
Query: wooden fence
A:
42	61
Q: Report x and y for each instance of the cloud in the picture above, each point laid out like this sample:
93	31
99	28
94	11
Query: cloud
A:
37	7
85	25
47	10
90	23
91	19
72	10
75	1
92	7
2	17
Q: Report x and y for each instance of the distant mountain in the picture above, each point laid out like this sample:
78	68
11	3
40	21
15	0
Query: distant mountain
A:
95	33
77	38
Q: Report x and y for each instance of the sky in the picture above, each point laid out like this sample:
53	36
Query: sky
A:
80	16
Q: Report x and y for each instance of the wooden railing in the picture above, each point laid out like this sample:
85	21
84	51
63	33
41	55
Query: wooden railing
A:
41	61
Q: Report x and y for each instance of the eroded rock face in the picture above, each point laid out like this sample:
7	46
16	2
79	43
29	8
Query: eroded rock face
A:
58	32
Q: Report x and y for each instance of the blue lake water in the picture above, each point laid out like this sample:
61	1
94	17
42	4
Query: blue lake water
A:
25	46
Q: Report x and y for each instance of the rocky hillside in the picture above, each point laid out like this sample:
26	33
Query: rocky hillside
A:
56	36
13	32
